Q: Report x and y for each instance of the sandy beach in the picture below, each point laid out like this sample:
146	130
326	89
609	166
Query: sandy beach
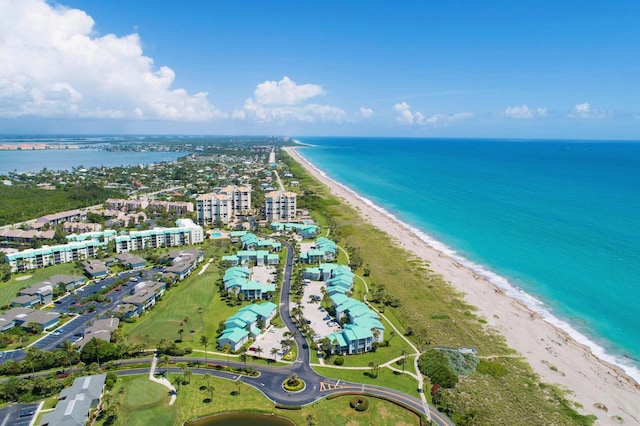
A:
601	388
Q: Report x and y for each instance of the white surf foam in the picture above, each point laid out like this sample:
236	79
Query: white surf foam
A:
503	283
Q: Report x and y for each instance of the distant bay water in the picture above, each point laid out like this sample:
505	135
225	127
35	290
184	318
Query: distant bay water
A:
554	223
64	159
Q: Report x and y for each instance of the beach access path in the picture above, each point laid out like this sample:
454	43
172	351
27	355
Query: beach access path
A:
593	383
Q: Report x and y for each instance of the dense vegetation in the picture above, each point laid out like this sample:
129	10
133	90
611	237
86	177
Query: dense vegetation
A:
24	203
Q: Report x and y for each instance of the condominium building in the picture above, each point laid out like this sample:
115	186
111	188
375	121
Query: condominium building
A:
212	208
240	197
185	233
53	255
230	201
280	205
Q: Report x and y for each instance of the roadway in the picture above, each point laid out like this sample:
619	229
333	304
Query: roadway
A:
270	378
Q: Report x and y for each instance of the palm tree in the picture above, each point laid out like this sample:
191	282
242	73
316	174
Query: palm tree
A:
107	399
96	346
204	341
211	389
180	331
69	350
243	358
258	351
187	321
201	319
165	360
227	348
311	419
274	353
404	359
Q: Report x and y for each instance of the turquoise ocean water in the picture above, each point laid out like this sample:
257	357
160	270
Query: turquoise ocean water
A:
554	223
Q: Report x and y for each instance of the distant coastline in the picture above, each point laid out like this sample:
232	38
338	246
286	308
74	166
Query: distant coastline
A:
20	161
508	309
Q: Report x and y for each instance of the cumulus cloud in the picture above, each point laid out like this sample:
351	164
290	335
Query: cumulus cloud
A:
285	92
282	101
404	115
366	112
52	65
524	112
443	120
584	110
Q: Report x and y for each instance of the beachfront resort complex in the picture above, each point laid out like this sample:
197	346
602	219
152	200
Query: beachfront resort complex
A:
243	281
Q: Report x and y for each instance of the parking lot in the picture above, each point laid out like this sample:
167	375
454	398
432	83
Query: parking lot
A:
320	321
19	414
268	340
73	330
264	274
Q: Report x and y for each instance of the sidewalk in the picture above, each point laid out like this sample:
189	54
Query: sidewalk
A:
163	381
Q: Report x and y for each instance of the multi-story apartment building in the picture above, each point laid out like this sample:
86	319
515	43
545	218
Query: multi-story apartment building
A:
53	255
58	218
280	205
240	197
185	233
230	201
212	208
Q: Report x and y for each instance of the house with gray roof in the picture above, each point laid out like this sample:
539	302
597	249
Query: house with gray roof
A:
94	268
100	329
76	401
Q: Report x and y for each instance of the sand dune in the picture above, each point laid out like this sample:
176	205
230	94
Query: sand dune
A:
601	388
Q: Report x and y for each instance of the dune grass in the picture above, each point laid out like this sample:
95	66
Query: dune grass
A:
437	315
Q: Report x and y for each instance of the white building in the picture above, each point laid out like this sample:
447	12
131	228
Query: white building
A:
240	197
212	208
185	233
280	205
230	201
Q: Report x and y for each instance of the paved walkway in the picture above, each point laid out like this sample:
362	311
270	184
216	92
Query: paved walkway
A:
163	381
204	268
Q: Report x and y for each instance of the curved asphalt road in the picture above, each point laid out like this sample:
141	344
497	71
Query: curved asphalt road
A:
270	380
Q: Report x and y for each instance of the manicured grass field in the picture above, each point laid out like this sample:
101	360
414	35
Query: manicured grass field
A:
9	290
182	301
146	403
387	378
141	402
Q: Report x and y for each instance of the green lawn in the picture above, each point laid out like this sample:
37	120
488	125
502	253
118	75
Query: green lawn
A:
182	301
9	290
167	317
387	378
145	403
141	402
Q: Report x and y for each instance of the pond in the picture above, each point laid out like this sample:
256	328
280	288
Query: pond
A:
242	419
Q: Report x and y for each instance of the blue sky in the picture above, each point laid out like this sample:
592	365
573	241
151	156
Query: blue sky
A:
526	69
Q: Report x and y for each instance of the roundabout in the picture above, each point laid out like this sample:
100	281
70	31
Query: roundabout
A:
293	384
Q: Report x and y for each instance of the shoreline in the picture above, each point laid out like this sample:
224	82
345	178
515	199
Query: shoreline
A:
590	379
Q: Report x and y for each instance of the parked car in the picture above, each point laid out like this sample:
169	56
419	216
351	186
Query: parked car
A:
27	412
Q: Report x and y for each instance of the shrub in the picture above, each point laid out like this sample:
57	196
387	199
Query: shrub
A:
339	360
461	364
359	404
435	365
